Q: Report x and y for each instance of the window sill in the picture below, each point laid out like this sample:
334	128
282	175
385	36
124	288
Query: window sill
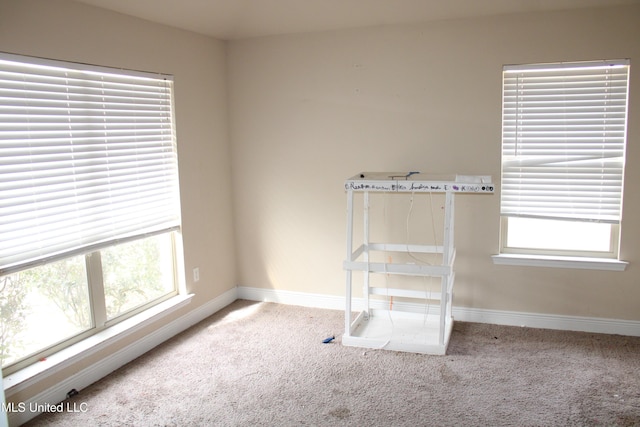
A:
54	363
560	262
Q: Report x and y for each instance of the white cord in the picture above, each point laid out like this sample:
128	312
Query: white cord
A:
433	228
386	281
433	221
427	292
427	285
414	257
386	275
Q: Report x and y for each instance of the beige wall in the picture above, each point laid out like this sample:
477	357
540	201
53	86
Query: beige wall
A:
308	111
66	30
63	29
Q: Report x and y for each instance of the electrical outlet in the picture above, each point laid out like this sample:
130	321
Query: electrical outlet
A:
196	274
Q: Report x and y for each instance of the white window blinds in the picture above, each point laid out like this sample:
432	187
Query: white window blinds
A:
563	140
87	159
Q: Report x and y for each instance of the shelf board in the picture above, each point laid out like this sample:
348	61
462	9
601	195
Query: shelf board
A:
392	268
405	293
400	331
419	183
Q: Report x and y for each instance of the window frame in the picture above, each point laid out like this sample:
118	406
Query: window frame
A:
92	253
97	307
510	253
614	239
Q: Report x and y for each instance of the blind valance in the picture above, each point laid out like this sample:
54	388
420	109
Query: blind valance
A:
87	158
563	140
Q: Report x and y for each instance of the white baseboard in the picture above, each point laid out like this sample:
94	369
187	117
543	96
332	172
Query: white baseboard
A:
549	321
105	366
291	298
464	314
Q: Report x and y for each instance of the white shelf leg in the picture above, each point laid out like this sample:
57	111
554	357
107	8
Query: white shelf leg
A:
348	296
365	289
447	252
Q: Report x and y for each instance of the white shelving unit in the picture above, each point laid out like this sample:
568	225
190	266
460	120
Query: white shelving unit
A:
393	328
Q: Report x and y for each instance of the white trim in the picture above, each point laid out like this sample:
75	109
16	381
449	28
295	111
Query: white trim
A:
560	262
549	321
105	366
291	298
464	314
56	362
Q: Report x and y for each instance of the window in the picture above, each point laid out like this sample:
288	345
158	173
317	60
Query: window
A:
89	201
563	150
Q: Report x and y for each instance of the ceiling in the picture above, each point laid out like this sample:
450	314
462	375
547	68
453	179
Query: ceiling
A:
238	19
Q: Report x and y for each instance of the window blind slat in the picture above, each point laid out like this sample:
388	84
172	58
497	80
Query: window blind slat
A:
563	141
88	157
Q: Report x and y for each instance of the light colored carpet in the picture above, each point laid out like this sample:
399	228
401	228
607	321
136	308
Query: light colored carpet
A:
265	364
